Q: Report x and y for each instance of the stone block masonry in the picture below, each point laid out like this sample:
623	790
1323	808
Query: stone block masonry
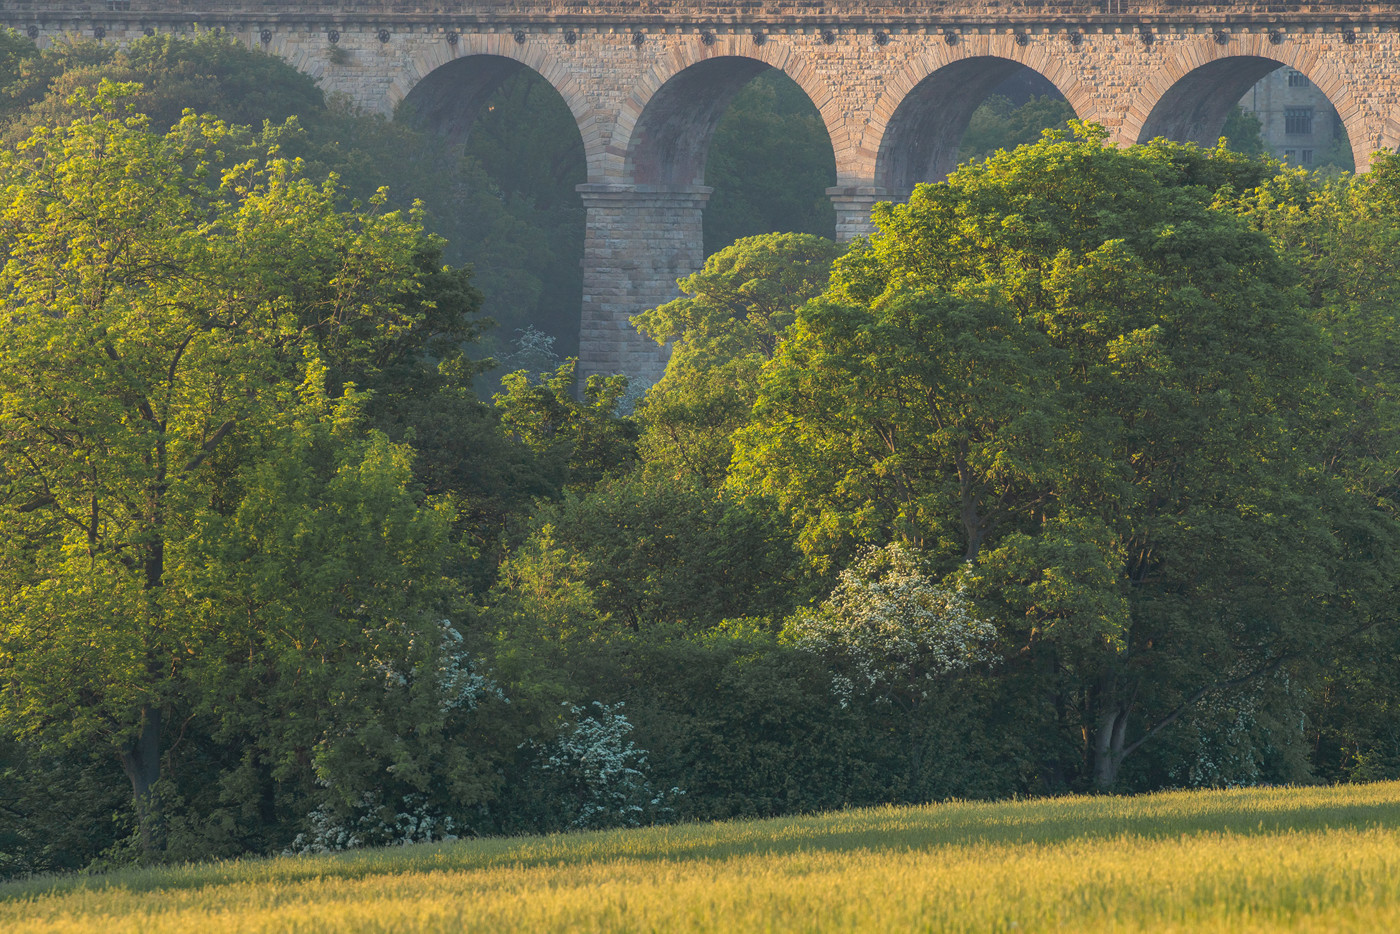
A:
895	84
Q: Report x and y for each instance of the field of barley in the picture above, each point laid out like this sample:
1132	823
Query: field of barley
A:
1296	859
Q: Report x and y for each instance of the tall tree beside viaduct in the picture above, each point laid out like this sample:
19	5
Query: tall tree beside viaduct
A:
895	85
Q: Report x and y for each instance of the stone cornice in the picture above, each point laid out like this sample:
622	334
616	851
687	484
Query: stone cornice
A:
1106	15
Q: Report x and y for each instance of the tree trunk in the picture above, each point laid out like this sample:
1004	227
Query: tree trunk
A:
1108	747
916	763
141	761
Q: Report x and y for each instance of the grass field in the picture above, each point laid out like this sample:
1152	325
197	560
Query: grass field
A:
1311	859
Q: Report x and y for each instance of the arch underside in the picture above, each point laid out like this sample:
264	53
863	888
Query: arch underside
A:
671	141
449	99
921	140
1195	108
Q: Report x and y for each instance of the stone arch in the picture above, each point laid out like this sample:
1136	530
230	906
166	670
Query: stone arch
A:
448	84
1188	97
447	87
1390	133
915	130
665	124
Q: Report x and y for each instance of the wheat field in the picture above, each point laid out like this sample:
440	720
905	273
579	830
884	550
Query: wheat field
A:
1295	859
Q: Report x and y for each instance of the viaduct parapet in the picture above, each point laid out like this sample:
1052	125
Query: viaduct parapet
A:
895	82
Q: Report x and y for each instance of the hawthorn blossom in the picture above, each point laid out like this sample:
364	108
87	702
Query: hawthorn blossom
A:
890	632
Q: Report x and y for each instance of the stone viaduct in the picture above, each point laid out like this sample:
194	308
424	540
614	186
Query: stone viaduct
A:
895	81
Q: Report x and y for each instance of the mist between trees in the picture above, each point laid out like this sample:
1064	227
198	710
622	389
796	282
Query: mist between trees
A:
1079	474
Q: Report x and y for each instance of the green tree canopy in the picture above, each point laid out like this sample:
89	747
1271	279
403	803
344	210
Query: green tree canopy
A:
504	199
642	554
163	306
577	441
1344	238
1066	366
205	72
998	124
725	326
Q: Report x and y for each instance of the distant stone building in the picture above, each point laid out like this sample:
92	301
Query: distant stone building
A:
1299	123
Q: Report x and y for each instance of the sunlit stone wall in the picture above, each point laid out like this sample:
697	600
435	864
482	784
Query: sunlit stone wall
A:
895	84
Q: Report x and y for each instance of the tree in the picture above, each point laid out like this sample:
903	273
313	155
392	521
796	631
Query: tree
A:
999	124
207	72
728	323
1068	367
578	441
1343	235
890	634
1243	133
503	200
162	304
651	553
337	662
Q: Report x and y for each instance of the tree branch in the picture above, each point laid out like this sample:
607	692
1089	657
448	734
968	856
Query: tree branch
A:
208	447
142	406
37	503
1187	704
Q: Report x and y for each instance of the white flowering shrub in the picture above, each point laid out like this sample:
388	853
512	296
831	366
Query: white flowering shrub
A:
1224	753
1243	738
427	681
533	351
599	774
450	666
372	823
462	686
890	632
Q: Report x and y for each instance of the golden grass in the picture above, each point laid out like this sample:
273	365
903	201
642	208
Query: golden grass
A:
1298	859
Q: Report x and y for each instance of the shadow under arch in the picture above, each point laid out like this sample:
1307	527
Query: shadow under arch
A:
496	117
922	135
667	124
447	90
921	140
1189	102
449	98
671	141
1194	109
